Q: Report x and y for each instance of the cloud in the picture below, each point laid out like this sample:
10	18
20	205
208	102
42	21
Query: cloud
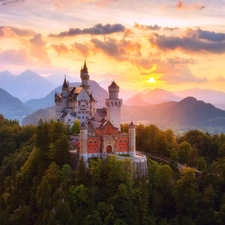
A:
118	49
15	57
219	79
207	35
181	5
6	2
179	60
145	27
170	28
38	51
83	49
194	41
98	29
60	49
177	73
4	30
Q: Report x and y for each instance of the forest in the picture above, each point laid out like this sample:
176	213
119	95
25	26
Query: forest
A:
38	185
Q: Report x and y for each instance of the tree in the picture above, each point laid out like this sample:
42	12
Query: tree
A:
186	195
184	152
75	129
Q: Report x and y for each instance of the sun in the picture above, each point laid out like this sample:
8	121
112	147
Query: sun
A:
151	80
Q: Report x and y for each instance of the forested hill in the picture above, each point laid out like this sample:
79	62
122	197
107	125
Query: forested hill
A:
38	185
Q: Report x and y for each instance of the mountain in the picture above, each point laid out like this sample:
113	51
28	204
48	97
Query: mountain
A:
11	107
47	101
155	96
186	114
57	78
136	100
45	114
123	94
216	98
25	86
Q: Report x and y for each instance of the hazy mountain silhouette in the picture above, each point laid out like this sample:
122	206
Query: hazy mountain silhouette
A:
155	96
11	107
188	113
25	86
216	98
58	78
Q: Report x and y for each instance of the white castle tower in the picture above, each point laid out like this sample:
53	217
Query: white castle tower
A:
132	139
113	105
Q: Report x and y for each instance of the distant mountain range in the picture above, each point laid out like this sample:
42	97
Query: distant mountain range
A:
184	115
151	97
27	85
157	96
11	107
158	106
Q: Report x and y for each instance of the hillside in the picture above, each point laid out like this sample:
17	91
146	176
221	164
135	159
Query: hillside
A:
187	114
11	107
216	98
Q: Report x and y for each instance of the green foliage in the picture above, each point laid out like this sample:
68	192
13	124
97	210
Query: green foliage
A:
75	129
38	186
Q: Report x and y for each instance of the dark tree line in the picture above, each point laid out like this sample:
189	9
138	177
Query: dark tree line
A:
38	186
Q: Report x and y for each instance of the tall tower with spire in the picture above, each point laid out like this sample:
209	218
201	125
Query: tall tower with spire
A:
64	93
114	104
85	77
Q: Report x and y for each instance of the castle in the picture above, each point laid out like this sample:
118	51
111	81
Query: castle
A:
100	132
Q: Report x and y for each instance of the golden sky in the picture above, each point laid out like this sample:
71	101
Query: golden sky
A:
169	44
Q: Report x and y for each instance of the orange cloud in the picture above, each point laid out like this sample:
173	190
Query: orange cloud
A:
182	5
60	49
145	27
83	49
8	33
38	51
118	49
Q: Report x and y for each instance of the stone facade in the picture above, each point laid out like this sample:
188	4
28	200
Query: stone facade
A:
100	132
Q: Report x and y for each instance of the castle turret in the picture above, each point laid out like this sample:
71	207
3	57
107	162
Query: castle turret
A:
114	105
132	139
64	94
85	77
84	142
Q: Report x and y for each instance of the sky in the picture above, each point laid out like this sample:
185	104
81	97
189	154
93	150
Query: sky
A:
140	44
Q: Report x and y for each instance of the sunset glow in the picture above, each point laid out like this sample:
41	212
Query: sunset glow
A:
179	44
151	80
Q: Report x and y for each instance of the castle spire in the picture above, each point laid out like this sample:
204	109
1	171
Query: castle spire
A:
85	69
65	83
